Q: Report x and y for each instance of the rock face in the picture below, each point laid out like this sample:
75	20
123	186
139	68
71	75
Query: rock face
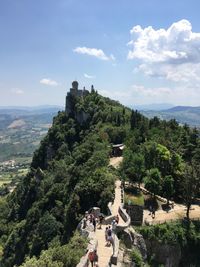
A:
139	243
133	239
168	255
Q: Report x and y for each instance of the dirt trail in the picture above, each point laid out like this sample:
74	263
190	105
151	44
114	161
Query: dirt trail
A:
177	213
115	161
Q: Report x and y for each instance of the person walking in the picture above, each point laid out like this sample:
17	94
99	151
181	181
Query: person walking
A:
109	239
96	257
91	257
114	225
153	213
94	223
106	234
150	209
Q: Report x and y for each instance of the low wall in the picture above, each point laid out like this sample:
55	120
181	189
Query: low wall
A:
93	243
125	217
115	250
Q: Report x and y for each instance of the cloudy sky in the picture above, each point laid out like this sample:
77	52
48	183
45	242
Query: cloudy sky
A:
138	52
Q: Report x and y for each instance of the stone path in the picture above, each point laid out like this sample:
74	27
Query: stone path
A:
117	202
104	252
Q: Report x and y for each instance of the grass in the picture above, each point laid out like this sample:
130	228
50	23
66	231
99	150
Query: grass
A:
134	199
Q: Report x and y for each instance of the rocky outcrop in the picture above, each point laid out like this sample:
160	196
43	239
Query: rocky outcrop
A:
132	239
166	254
139	243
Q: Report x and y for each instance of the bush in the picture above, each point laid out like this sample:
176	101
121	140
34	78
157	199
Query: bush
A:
137	257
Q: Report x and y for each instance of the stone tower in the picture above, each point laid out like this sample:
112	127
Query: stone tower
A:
74	92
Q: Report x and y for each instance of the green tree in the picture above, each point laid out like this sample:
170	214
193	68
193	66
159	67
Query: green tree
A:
190	185
138	168
153	181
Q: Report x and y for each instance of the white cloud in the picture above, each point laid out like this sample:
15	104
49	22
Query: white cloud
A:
89	76
172	53
49	82
98	53
17	91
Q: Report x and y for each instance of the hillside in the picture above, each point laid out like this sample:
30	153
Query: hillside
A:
21	131
183	114
69	174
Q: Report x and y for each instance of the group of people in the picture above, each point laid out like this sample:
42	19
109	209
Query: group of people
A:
91	220
110	230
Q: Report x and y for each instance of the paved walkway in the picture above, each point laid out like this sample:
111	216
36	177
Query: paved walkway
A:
104	252
117	202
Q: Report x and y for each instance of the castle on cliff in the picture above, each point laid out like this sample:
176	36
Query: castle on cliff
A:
75	92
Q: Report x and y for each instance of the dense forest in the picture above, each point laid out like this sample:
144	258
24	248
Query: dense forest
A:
69	174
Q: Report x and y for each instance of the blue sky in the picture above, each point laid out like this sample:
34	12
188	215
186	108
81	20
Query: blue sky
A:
137	52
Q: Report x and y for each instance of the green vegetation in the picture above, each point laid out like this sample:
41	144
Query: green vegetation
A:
69	174
137	258
133	197
164	156
187	236
60	256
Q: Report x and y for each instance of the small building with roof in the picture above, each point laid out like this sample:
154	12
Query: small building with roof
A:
117	150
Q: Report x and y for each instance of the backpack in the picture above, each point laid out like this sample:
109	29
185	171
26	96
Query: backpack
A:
91	256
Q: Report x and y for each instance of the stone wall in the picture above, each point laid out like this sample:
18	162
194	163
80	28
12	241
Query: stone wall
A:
136	213
92	244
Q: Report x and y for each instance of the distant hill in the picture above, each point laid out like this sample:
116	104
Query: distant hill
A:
22	128
184	108
160	106
183	114
26	111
